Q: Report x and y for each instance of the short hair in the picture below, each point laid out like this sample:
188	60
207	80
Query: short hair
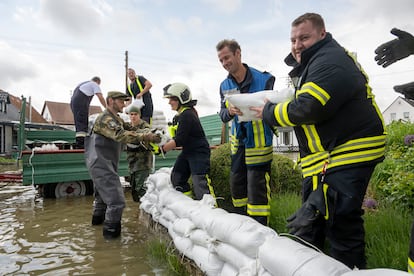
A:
232	44
96	79
314	18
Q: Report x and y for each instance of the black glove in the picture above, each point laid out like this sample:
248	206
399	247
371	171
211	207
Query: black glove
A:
313	208
301	222
406	89
396	49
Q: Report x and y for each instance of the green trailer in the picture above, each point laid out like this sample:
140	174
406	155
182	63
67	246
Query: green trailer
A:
62	172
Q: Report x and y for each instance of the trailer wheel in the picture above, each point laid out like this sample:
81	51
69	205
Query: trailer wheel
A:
89	187
65	189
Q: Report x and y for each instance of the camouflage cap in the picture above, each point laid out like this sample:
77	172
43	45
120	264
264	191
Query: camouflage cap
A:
117	95
133	108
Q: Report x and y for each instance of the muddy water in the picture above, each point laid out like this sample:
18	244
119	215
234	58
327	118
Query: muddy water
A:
55	237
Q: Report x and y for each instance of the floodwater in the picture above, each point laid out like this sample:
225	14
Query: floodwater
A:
55	237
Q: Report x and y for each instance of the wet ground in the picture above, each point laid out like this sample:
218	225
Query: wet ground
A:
55	237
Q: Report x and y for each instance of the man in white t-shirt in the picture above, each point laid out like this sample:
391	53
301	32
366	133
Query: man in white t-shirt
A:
80	102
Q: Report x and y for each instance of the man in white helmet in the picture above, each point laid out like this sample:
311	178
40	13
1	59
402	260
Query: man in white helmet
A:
194	159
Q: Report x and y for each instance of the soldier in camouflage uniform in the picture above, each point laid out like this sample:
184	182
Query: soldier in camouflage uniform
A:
102	152
139	156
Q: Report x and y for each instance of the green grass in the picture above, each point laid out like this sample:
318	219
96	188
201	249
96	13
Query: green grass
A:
387	230
387	237
4	160
164	256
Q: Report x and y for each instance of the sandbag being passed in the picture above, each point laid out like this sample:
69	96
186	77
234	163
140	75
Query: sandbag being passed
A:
244	101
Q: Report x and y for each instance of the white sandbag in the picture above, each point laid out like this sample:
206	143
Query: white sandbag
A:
157	112
183	227
283	256
168	214
200	237
244	101
230	254
145	205
208	200
241	231
137	103
163	221
184	206
229	270
150	197
376	272
204	215
155	213
208	262
183	245
168	197
161	178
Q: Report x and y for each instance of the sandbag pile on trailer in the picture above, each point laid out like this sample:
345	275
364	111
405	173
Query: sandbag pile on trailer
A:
222	243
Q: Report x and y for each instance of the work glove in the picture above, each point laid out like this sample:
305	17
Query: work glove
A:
406	89
301	222
395	49
152	137
314	207
156	149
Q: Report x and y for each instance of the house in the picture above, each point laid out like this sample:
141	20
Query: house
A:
61	114
10	108
285	140
54	116
400	109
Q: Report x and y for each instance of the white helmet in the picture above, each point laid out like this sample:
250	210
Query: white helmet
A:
179	90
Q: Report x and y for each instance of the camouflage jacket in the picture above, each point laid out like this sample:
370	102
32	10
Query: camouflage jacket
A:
113	127
140	156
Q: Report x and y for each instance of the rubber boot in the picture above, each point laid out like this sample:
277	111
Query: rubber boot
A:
98	220
240	210
111	230
80	143
261	219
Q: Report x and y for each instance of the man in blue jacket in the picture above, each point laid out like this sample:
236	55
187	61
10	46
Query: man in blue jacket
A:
251	142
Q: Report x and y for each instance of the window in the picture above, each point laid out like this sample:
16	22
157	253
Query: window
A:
393	116
406	115
3	106
286	138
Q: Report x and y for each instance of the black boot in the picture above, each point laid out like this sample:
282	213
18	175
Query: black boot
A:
240	210
111	230
80	143
261	219
98	220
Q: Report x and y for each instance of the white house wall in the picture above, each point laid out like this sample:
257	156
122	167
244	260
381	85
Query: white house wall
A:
398	108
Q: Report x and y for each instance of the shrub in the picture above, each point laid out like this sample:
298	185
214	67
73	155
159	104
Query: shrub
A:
393	179
284	177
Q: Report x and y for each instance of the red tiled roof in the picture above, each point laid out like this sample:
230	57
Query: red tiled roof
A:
36	117
61	113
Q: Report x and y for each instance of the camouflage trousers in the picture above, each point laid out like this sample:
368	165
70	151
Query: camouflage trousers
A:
137	181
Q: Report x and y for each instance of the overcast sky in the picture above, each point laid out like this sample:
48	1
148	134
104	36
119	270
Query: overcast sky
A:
47	47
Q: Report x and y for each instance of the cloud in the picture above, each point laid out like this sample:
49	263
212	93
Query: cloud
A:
191	25
15	67
228	6
78	17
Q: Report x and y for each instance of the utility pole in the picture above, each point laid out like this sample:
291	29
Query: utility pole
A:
126	68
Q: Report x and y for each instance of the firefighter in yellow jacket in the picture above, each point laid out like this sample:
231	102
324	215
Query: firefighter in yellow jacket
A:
341	138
